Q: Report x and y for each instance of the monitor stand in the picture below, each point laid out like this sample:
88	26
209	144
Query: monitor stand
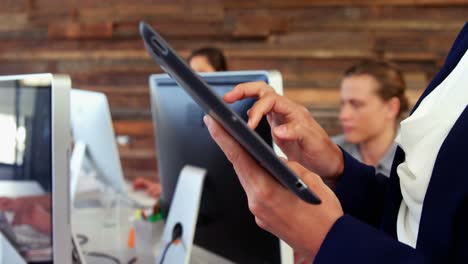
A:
85	186
86	178
182	219
8	253
83	166
77	161
77	253
84	175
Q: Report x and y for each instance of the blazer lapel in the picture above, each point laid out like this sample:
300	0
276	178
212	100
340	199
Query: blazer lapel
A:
392	205
446	191
456	52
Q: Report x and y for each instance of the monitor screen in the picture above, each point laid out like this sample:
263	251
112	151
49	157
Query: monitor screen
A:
225	224
26	168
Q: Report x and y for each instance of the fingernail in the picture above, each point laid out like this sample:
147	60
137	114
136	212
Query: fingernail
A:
206	120
250	124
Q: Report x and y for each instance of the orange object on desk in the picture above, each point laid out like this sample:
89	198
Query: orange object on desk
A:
131	238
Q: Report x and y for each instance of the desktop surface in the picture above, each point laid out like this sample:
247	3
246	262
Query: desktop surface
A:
104	240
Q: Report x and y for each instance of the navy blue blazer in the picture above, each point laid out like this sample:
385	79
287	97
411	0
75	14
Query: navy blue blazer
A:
367	231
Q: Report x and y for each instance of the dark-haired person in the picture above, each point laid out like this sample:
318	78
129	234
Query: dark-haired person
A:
207	59
373	101
417	215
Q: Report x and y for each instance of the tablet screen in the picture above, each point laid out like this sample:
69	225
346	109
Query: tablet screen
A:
25	167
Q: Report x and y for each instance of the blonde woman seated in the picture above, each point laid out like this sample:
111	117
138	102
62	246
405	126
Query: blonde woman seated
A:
372	103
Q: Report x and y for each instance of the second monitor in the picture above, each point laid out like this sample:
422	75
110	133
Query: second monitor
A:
95	148
225	224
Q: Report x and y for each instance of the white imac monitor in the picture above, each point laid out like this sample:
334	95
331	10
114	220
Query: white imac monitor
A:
95	155
35	140
94	142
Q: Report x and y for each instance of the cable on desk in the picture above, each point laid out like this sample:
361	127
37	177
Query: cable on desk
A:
166	248
103	255
83	239
132	260
168	245
176	237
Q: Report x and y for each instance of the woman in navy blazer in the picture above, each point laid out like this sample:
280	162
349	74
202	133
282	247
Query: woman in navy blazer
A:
443	229
365	230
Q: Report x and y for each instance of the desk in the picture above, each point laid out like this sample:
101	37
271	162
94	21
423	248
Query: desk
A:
111	238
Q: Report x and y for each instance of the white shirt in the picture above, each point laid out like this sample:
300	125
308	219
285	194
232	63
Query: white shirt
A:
421	136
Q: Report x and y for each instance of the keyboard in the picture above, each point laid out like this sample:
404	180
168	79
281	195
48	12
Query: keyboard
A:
31	244
7	229
29	238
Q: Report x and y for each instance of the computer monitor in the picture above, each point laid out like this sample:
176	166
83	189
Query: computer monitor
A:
93	134
225	224
34	120
95	151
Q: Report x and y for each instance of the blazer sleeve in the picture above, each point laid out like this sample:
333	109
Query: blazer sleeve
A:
352	241
361	191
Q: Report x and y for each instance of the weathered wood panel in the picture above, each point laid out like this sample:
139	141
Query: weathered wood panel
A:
310	42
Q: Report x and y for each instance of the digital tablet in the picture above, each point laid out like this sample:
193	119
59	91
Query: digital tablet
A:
203	95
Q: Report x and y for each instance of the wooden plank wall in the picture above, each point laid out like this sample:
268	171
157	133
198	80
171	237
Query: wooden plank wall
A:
310	41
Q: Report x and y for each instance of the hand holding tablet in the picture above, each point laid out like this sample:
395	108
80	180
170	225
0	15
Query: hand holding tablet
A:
203	95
